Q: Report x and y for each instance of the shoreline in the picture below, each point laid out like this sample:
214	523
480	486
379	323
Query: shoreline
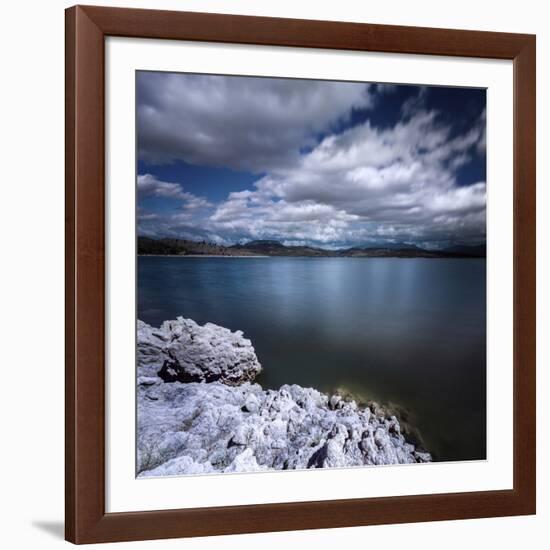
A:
246	256
206	256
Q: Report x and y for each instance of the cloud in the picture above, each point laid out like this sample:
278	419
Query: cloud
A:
149	185
317	183
252	124
365	184
416	102
481	146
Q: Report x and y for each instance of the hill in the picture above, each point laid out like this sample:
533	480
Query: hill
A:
182	247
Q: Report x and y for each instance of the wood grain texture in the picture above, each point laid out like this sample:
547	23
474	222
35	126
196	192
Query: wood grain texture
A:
70	302
273	31
85	367
525	272
86	29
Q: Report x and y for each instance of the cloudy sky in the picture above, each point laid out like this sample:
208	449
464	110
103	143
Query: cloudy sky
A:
331	164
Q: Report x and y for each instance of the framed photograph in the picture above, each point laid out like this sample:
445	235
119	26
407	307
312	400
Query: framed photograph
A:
300	274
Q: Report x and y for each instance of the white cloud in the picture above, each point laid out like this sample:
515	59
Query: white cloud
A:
481	146
363	184
249	124
150	186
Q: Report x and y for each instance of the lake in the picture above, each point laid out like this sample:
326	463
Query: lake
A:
407	333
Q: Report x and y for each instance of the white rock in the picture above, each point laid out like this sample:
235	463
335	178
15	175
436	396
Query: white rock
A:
184	351
200	428
245	462
150	345
148	380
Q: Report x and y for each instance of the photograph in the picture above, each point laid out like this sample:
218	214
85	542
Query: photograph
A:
311	274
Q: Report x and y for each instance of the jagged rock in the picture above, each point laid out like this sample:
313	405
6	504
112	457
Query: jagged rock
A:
231	425
183	351
200	428
151	344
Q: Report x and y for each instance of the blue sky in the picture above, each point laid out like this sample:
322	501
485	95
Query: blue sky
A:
331	164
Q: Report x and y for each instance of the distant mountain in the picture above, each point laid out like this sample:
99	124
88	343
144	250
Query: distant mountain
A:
391	246
385	252
276	248
262	242
182	247
475	251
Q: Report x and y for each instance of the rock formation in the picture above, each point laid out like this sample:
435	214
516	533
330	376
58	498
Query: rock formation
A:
199	412
184	351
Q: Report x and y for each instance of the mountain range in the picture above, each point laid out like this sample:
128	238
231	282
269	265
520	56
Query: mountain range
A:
182	247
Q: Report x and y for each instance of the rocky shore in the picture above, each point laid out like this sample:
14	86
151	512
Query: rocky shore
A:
200	412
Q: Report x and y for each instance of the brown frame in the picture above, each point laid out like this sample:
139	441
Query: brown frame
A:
86	29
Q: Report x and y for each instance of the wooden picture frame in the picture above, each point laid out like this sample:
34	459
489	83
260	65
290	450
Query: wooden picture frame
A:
86	30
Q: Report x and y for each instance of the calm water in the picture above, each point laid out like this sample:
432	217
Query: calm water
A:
409	332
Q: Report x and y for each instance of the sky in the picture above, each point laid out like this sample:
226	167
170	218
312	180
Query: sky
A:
229	159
